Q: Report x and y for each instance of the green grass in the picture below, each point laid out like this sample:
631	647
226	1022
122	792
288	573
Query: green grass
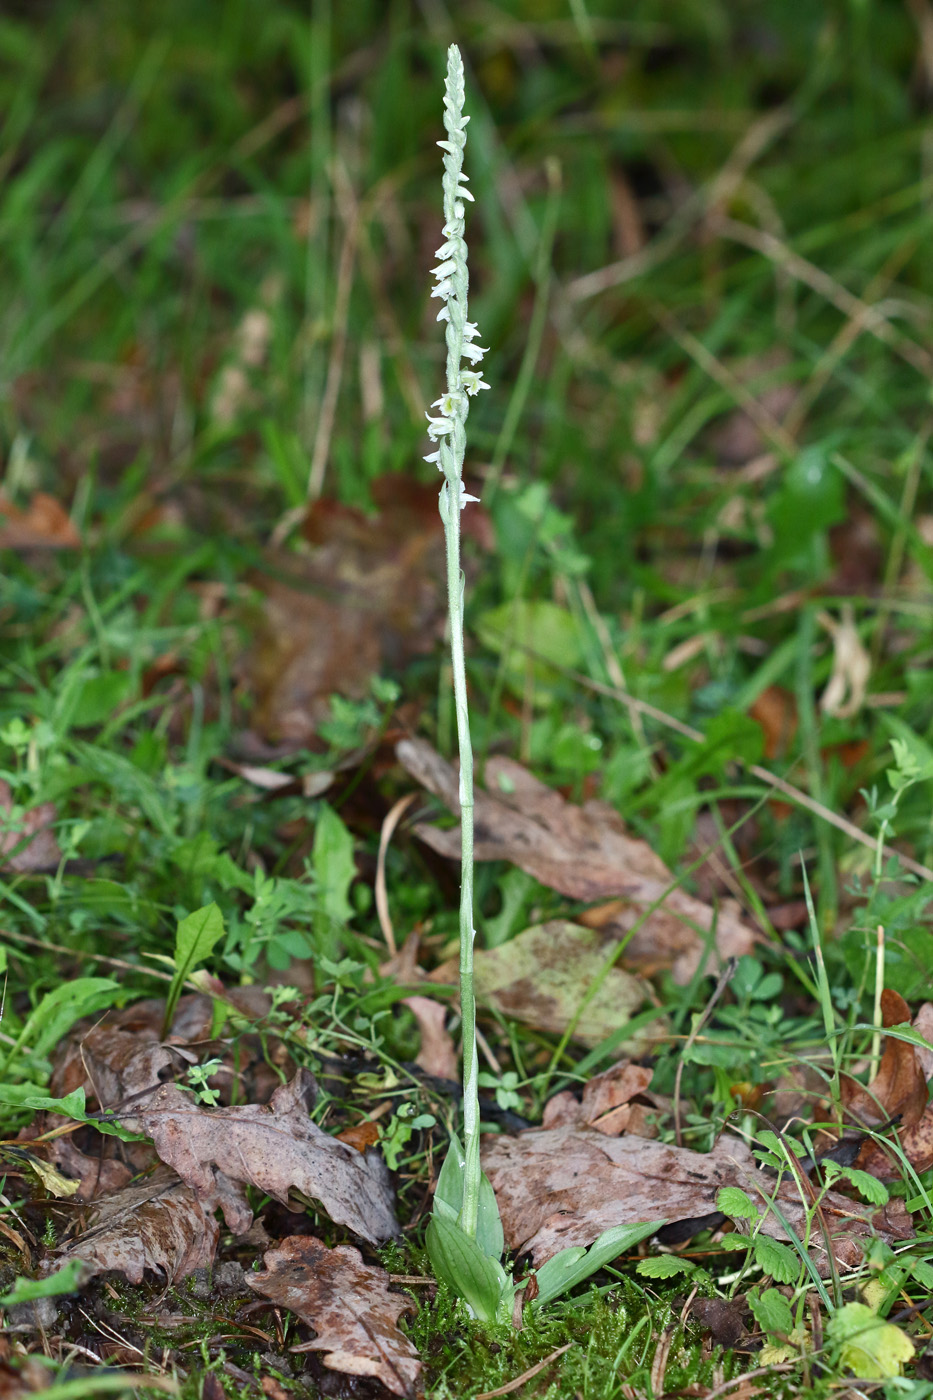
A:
166	174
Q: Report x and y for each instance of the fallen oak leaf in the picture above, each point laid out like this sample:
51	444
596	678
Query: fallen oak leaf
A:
349	1306
583	853
562	1187
274	1147
161	1225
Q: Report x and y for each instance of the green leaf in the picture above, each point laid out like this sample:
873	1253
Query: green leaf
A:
665	1266
194	941
870	1347
571	1266
59	1009
772	1312
334	867
448	1197
868	1186
72	1106
68	1279
459	1262
334	873
922	1271
736	1204
776	1259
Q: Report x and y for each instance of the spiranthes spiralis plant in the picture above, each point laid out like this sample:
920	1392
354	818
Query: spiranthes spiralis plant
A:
465	1238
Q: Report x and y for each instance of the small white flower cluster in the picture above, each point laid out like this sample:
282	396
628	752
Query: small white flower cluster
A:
448	426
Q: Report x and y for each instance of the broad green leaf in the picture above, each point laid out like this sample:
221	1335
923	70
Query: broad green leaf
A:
736	1204
68	1279
194	941
459	1262
59	1009
334	867
870	1347
772	1312
489	1232
196	937
449	1190
448	1199
523	626
776	1259
571	1266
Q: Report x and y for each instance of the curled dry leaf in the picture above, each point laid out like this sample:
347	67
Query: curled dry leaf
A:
161	1225
562	1187
26	839
44	524
349	1306
584	853
605	1103
274	1147
899	1089
437	1055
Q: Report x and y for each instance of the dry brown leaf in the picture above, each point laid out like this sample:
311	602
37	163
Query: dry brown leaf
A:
584	853
562	1187
349	1306
543	977
899	1089
274	1147
26	840
44	524
370	594
437	1055
360	1135
605	1103
161	1225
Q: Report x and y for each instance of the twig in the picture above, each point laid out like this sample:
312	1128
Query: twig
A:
525	1376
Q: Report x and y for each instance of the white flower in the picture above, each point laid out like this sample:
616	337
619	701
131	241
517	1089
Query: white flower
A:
444	269
438	427
474	353
433	457
443	289
472	381
465	495
470	330
450	404
443	314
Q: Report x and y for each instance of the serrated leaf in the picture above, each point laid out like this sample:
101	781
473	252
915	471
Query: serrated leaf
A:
731	1240
776	1259
735	1203
772	1312
665	1266
873	1190
571	1266
458	1261
870	1347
